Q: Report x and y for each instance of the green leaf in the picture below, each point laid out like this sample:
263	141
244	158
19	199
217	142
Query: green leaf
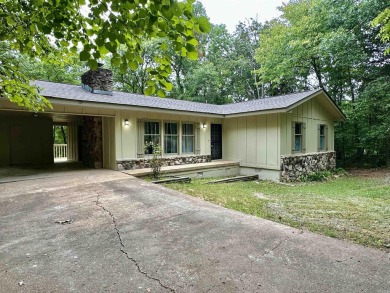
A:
92	63
192	55
46	29
164	46
166	11
99	41
139	59
115	61
58	35
179	27
133	65
123	68
204	24
150	90
84	55
190	48
161	93
103	50
96	55
168	86
193	42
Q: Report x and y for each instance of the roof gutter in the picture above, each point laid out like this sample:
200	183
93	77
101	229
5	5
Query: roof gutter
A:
61	102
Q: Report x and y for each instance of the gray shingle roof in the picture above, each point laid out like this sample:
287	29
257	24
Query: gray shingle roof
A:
77	93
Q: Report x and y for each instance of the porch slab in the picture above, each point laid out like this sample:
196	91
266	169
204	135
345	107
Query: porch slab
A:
22	173
193	170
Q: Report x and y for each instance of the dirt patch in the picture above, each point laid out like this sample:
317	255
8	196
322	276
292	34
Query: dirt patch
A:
371	173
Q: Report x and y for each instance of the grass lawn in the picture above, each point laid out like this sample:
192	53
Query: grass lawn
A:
354	207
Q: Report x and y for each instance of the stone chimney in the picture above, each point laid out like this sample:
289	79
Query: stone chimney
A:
98	81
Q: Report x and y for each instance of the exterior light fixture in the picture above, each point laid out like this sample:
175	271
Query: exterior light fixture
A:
203	125
35	115
127	123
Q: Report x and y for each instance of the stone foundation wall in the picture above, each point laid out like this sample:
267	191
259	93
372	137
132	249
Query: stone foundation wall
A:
171	161
293	167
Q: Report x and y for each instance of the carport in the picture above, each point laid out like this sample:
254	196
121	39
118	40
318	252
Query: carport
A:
28	141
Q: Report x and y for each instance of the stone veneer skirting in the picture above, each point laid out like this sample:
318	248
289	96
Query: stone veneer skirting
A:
293	167
168	161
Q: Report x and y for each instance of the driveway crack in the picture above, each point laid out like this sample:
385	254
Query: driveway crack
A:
122	249
273	248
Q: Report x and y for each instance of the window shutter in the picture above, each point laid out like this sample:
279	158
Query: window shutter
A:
197	140
319	138
326	137
140	139
303	137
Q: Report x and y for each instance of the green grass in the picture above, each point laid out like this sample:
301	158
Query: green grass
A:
352	208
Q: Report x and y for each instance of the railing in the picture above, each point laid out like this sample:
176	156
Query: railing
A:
60	152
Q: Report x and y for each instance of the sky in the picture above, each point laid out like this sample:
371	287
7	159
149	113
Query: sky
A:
230	12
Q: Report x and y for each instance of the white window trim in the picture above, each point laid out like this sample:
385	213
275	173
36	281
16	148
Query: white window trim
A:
303	142
193	135
141	138
325	149
143	135
177	138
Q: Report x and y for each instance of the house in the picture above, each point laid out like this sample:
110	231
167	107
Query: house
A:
280	138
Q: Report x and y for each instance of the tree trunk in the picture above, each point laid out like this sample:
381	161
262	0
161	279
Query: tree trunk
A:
317	71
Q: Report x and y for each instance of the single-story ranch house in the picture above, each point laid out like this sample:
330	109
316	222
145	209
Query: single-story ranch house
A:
279	138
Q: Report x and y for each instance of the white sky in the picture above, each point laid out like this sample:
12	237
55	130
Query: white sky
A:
230	12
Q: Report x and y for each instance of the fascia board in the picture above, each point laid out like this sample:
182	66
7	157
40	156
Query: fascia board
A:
61	102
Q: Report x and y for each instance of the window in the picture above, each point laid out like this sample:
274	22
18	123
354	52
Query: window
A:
170	138
151	135
322	137
298	137
188	138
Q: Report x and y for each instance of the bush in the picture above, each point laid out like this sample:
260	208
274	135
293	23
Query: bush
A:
317	176
155	162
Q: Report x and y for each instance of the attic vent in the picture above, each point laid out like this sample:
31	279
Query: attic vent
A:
98	81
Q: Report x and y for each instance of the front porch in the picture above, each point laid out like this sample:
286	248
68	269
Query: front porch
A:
215	168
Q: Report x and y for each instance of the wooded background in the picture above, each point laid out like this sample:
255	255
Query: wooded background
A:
334	45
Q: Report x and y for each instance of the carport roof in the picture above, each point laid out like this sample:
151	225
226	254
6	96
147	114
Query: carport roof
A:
77	93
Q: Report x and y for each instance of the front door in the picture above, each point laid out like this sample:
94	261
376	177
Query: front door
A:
19	145
216	141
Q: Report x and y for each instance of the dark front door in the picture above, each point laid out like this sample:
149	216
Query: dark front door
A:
216	141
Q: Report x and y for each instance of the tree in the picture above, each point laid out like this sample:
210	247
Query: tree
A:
136	80
14	85
210	80
333	45
384	19
245	82
54	68
37	28
206	84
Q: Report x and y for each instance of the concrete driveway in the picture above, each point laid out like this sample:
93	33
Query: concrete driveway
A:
127	235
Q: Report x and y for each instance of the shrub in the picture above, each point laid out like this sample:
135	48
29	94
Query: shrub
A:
316	176
155	162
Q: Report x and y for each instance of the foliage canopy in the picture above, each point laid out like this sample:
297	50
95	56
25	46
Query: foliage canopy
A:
95	29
